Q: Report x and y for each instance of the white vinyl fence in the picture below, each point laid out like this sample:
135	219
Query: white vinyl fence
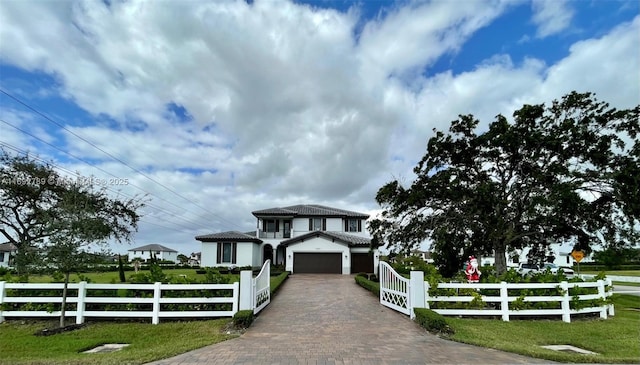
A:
510	299
153	301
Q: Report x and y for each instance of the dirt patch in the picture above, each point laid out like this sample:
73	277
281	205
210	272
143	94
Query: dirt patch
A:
57	330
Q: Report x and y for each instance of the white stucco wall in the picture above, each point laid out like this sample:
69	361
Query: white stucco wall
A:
320	244
244	255
4	259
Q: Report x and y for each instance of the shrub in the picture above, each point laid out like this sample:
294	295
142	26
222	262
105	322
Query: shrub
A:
243	318
371	286
432	321
277	282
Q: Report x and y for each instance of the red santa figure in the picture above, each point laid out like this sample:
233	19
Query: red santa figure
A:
473	274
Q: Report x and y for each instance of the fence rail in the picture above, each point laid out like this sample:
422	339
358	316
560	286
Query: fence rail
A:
505	308
150	295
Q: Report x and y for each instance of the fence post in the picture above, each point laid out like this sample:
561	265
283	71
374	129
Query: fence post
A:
416	291
602	294
426	294
155	318
504	300
236	296
80	304
612	311
246	290
1	299
566	307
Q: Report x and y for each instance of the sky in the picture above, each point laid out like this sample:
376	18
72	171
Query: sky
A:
214	109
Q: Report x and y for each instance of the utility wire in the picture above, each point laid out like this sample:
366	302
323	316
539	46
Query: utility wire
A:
119	192
113	157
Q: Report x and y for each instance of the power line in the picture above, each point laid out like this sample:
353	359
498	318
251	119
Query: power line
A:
162	210
113	157
80	159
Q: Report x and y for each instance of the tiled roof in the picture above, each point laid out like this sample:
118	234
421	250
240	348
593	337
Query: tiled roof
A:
349	239
234	236
153	247
7	247
309	210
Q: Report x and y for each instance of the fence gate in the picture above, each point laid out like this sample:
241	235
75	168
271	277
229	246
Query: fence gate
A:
394	289
262	288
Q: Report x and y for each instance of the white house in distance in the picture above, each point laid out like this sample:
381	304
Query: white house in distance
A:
303	238
161	253
6	251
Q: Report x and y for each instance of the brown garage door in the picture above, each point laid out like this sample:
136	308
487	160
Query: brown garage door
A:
317	263
361	262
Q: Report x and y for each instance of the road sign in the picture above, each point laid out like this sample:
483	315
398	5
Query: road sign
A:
577	255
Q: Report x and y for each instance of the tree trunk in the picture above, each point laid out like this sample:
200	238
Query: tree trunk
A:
501	258
64	299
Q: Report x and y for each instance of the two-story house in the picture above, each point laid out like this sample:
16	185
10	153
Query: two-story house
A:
302	238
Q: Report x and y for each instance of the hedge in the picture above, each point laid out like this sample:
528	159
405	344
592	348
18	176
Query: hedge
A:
243	318
278	280
432	321
371	286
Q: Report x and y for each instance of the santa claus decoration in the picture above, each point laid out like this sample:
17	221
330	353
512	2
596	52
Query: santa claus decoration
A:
472	272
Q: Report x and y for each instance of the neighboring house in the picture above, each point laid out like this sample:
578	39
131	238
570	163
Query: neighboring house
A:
194	259
7	250
160	252
424	255
302	238
561	256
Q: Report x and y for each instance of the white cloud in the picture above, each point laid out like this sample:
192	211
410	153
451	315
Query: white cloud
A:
287	105
551	16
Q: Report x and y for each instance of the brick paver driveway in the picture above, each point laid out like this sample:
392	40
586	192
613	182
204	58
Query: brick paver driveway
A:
329	319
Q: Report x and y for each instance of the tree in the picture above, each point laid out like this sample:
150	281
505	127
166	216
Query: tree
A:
58	219
183	259
568	171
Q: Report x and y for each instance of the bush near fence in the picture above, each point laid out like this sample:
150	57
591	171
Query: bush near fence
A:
276	283
432	321
370	285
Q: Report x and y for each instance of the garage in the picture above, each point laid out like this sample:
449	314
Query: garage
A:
361	262
317	263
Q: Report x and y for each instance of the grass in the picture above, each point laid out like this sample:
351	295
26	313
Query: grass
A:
614	339
625	283
19	345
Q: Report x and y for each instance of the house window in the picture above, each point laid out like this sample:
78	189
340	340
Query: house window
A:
157	252
317	224
1	256
353	225
227	252
271	225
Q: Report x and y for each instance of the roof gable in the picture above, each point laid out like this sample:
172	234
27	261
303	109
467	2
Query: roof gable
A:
350	240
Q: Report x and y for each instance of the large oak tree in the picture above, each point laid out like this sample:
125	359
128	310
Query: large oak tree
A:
565	171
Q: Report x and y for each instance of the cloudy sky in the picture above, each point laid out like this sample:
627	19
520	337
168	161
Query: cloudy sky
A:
218	108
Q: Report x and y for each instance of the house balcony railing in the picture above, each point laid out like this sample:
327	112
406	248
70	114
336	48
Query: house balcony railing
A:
279	235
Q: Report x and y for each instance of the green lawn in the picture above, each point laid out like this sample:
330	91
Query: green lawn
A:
19	345
615	339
